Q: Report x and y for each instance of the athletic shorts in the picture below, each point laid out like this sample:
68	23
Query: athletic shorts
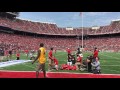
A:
50	61
78	63
40	67
69	63
73	61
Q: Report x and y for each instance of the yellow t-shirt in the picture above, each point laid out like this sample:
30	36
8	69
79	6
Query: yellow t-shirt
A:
42	58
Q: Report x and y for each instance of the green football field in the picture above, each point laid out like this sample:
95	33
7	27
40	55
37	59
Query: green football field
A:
110	63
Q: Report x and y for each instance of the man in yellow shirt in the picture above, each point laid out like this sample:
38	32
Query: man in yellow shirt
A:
41	60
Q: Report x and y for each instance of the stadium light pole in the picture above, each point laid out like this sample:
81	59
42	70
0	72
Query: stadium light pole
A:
81	14
82	32
78	41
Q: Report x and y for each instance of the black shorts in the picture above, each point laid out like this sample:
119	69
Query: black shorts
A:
18	58
73	61
69	60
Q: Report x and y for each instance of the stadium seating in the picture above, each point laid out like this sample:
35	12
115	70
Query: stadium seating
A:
20	41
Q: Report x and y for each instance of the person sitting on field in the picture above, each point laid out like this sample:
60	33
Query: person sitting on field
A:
55	64
63	66
50	59
67	67
84	65
72	67
79	61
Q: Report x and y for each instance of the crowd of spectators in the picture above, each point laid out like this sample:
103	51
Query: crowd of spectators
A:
31	42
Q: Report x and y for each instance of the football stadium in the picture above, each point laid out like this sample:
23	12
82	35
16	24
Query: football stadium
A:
30	49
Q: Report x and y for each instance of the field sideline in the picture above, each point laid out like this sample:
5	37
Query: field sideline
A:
110	63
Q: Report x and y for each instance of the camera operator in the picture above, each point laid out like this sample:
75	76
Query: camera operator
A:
96	66
89	61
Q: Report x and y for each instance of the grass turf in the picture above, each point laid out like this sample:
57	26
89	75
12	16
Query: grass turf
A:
110	63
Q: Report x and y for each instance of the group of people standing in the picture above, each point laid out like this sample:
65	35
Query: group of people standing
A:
41	57
92	61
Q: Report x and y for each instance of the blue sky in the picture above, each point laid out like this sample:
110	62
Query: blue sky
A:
72	19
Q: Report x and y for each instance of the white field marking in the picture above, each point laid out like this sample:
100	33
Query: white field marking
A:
14	71
60	72
13	62
21	64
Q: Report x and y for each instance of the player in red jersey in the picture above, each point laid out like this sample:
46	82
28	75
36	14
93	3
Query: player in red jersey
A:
95	54
50	59
17	55
74	67
68	67
26	52
79	61
68	51
63	66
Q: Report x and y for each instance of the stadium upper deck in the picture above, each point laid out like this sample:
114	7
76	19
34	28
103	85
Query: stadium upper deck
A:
53	29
